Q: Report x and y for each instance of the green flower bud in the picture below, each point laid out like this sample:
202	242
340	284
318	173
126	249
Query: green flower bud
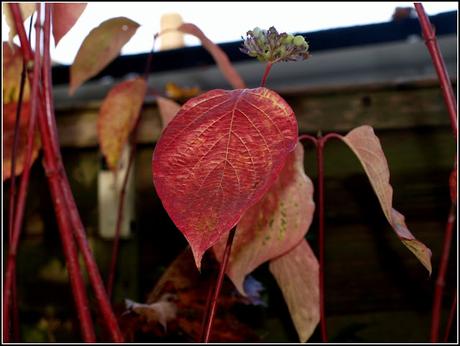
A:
256	31
299	40
281	51
288	39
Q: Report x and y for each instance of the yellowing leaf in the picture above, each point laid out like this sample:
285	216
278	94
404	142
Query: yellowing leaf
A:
27	8
117	117
12	68
168	109
65	15
100	47
366	146
9	118
297	274
217	53
275	224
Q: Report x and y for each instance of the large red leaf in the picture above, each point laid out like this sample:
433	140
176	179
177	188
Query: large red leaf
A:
12	68
100	47
274	225
65	15
297	274
117	117
9	118
218	157
217	53
366	146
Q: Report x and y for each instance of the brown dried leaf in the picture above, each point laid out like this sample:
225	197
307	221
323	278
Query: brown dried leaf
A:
9	118
274	225
297	274
168	109
217	53
65	15
366	146
117	117
100	47
27	8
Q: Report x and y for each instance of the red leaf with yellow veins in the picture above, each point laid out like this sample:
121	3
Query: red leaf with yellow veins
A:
100	47
218	157
275	224
65	15
366	146
297	274
9	118
12	68
117	118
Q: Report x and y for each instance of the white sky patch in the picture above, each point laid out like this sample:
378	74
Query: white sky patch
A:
227	21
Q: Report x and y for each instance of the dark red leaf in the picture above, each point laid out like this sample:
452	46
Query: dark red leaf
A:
9	118
65	15
218	157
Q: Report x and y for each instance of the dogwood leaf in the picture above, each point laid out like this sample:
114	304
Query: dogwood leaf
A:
65	15
218	157
100	47
12	68
217	53
275	224
366	146
117	117
297	274
168	109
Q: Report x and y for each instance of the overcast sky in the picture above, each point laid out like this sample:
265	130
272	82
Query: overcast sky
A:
228	21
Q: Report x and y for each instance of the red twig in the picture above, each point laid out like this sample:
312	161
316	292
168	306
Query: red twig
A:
267	71
451	317
15	231
121	200
438	62
212	307
437	302
320	172
308	138
64	205
108	316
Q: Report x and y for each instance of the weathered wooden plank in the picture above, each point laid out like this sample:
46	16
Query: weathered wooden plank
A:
383	106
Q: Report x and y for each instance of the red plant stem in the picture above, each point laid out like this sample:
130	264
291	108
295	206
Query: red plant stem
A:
53	164
451	317
309	138
12	195
121	200
17	220
212	307
438	62
108	316
320	172
267	71
437	302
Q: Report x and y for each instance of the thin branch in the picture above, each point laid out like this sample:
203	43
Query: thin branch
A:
320	172
439	65
212	307
451	317
122	196
440	281
267	71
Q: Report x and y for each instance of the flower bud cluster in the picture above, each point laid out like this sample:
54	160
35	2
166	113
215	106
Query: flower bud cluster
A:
271	46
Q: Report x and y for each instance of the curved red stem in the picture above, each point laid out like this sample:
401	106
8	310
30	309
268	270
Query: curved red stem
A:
439	288
212	307
451	317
